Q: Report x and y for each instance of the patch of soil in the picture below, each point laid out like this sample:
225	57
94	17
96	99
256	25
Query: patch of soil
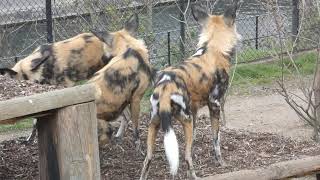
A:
240	149
10	88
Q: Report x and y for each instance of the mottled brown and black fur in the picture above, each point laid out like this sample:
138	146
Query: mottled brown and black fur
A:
64	62
199	81
123	81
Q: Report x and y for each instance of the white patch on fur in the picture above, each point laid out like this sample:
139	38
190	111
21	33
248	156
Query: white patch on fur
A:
217	102
154	104
216	90
172	150
179	100
165	78
199	52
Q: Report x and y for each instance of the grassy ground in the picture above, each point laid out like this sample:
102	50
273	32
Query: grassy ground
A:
245	75
265	73
21	125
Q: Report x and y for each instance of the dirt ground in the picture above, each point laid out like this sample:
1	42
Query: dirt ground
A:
260	130
264	113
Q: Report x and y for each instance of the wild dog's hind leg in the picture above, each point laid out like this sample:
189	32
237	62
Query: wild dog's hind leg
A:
194	119
188	133
152	135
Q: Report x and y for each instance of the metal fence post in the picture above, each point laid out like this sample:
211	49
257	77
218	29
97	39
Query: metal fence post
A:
182	29
257	32
295	20
49	21
169	53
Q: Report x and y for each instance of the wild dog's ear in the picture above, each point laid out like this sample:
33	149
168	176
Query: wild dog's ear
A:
11	72
35	63
199	14
105	37
230	13
132	24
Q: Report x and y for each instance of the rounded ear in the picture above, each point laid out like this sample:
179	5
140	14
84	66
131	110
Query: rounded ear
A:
199	14
132	24
104	36
230	13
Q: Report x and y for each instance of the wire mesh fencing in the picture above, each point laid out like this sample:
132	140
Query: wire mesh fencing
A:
166	25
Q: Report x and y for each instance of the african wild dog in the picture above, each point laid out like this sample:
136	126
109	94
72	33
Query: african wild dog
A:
64	62
199	81
123	81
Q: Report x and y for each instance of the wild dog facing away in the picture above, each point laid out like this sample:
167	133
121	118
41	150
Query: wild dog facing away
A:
123	81
199	81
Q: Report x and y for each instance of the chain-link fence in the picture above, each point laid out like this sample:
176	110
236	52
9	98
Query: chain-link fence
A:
166	25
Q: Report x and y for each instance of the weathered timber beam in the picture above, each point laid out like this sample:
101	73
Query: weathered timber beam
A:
281	170
24	106
68	144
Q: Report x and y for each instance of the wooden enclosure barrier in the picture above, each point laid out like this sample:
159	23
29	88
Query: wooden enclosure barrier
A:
67	131
281	170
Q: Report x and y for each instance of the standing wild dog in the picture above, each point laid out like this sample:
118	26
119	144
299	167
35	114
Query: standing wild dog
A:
123	81
201	80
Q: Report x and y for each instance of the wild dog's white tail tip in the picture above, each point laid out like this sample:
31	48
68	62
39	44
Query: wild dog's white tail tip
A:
172	150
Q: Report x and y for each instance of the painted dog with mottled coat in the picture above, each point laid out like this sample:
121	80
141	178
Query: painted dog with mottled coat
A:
123	81
64	62
199	81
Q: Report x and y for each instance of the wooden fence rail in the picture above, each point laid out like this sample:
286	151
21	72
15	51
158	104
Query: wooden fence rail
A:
281	170
67	131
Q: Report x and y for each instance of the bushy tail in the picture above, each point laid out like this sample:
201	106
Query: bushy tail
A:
170	140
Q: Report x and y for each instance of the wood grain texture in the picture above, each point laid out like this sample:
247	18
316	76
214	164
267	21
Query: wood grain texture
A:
29	105
69	139
281	170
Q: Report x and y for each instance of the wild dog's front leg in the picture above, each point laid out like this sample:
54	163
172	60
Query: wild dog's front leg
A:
221	81
194	119
123	125
152	135
214	110
135	109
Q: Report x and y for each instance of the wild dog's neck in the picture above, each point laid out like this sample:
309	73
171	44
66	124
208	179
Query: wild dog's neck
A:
141	48
212	51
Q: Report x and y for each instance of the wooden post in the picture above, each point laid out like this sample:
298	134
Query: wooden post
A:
68	144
